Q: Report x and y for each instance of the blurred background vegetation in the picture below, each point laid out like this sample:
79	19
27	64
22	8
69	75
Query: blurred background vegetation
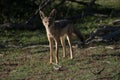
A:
87	17
21	10
17	10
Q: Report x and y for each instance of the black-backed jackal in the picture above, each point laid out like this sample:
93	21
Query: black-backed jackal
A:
57	31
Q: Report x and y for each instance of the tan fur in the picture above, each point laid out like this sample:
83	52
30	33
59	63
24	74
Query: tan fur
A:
57	32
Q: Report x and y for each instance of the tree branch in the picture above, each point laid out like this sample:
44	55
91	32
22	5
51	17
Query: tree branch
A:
104	33
79	2
41	6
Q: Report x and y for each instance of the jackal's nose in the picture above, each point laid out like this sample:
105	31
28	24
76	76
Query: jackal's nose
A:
45	21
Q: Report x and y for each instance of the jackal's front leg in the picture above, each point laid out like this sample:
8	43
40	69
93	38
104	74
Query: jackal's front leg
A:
63	45
51	44
56	52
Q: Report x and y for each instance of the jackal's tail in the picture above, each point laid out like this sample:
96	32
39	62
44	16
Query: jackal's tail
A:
80	36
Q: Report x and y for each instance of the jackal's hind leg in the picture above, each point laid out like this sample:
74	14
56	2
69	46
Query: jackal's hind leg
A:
56	51
70	44
62	39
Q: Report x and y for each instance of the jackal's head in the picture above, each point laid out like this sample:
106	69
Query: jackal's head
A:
48	21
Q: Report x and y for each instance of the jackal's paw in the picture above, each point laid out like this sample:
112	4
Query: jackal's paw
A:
71	57
64	56
50	62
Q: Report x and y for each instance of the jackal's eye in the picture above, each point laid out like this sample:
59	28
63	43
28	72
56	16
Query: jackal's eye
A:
50	19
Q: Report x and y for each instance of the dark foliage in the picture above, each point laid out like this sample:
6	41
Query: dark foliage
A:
16	10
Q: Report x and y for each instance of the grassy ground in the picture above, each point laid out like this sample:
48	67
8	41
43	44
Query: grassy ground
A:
22	57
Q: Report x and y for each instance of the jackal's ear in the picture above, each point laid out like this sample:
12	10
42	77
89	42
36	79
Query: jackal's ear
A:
42	15
53	13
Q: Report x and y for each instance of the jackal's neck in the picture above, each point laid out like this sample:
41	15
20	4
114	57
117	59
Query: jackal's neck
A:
49	28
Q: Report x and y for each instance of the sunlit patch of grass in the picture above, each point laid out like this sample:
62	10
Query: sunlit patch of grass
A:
23	37
30	40
109	3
